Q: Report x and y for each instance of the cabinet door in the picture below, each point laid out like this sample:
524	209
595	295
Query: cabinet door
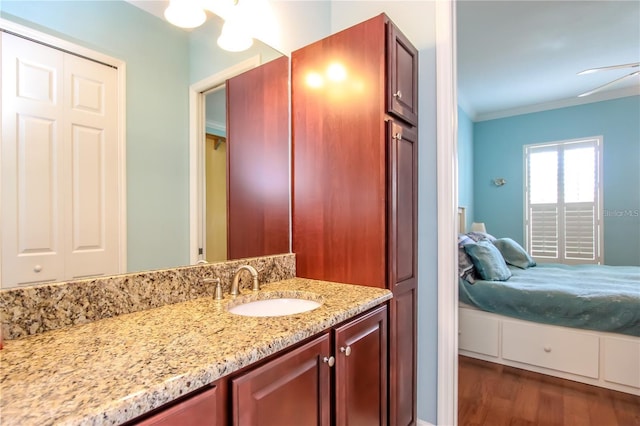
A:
361	370
258	158
339	164
402	228
293	389
205	408
402	76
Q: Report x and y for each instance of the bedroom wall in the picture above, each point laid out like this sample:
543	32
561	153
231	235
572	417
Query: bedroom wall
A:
498	152
465	165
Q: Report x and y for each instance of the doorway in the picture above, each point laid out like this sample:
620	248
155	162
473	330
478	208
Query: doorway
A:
197	155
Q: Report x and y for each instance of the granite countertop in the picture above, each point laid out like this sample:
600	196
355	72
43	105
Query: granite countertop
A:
115	369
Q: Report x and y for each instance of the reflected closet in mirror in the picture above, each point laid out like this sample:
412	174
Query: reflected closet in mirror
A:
162	63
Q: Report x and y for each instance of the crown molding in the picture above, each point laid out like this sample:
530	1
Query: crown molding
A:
562	103
216	125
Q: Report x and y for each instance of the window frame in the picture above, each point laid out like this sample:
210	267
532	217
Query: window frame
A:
597	143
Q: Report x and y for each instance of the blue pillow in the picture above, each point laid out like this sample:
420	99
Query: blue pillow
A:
488	261
466	270
513	253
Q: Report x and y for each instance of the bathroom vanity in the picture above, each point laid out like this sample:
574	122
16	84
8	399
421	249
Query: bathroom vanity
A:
195	357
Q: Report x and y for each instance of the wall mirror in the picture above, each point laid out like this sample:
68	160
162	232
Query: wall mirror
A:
162	63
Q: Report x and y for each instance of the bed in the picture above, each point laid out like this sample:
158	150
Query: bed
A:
578	322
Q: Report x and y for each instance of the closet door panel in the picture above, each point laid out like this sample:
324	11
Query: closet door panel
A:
32	166
92	208
60	212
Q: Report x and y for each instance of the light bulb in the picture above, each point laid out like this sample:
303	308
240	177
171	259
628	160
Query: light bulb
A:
336	72
185	14
233	37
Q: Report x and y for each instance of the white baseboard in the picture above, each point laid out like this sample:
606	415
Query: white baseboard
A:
423	423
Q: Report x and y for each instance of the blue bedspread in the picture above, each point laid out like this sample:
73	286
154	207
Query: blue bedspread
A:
596	297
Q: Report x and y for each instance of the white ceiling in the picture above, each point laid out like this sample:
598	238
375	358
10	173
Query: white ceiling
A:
523	56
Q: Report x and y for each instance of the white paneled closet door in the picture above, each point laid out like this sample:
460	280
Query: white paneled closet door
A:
59	164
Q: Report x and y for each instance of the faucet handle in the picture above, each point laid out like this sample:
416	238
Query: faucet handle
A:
218	291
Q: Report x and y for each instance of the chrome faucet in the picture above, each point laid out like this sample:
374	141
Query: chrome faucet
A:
236	278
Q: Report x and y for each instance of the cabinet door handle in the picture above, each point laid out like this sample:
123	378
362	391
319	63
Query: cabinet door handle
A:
398	136
346	351
398	95
547	349
329	360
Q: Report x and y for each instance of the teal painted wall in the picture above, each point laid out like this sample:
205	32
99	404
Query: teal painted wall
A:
157	61
206	58
498	152
465	165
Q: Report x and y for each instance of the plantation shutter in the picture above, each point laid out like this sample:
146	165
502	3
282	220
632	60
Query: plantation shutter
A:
563	201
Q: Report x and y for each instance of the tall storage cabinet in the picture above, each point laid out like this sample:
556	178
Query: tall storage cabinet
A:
354	118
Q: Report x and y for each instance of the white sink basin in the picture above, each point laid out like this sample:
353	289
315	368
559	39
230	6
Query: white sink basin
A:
274	307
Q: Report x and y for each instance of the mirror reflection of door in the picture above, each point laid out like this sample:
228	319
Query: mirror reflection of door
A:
215	152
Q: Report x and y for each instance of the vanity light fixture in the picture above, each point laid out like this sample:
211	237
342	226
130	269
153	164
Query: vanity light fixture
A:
185	13
234	36
191	14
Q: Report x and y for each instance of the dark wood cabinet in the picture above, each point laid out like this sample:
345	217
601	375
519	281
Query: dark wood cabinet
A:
258	161
361	370
293	389
296	388
402	76
336	378
402	270
204	408
355	148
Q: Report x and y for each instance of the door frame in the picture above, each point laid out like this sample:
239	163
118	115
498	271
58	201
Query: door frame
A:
197	226
121	132
447	196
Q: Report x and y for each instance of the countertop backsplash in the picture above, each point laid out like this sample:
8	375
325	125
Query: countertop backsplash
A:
25	311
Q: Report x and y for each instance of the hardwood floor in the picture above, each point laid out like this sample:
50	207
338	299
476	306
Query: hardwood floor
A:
492	394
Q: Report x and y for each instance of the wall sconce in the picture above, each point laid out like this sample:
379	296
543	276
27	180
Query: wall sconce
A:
499	181
478	227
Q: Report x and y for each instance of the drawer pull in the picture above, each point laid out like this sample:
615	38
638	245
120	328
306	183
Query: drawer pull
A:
547	349
329	360
346	351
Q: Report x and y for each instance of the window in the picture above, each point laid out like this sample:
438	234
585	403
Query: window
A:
564	201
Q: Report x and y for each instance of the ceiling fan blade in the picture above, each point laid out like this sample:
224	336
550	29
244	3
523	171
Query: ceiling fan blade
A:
597	89
610	67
